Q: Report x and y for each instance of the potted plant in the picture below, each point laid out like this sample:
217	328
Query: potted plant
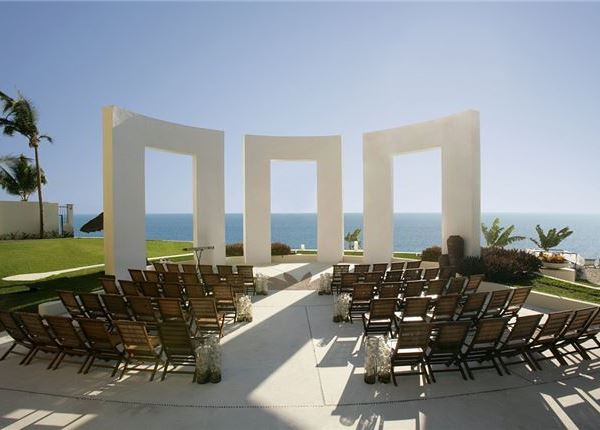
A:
552	260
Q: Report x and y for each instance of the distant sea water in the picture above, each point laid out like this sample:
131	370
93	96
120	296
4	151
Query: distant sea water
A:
412	231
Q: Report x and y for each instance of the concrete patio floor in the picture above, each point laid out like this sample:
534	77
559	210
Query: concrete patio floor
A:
292	367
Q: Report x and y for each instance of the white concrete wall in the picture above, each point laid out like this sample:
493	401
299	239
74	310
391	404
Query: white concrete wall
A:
126	137
458	137
24	217
258	153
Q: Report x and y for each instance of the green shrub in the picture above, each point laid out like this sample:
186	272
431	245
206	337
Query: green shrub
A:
509	265
234	249
472	266
278	248
431	254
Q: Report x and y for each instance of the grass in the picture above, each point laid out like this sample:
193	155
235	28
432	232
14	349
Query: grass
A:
32	256
562	289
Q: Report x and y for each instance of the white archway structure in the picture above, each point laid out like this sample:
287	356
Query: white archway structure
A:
126	136
458	137
258	153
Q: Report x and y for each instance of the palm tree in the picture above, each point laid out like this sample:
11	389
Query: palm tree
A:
19	177
552	239
497	236
20	116
352	237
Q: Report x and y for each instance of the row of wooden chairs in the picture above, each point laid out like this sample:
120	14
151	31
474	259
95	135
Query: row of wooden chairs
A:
380	314
436	287
376	267
423	345
91	339
345	280
204	269
206	312
206	280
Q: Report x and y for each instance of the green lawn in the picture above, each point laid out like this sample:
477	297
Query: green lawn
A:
563	289
32	256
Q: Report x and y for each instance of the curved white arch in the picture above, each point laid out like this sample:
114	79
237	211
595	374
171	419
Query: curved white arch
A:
458	137
258	153
126	135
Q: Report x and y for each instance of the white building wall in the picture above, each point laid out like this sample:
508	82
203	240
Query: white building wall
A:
24	217
458	137
258	153
126	137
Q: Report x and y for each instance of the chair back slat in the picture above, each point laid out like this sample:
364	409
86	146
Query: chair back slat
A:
413	335
523	330
173	290
36	330
415	264
382	308
445	307
553	326
194	291
189	268
380	267
363	291
142	308
71	304
435	287
98	336
361	268
109	285
175	339
224	270
153	276
397	266
129	288
578	323
137	275
150	289
431	273
373	277
456	285
159	266
472	284
135	338
116	306
411	274
172	267
205	269
393	275
170	309
497	303
451	335
517	300
414	288
415	307
489	331
8	323
65	332
92	305
389	290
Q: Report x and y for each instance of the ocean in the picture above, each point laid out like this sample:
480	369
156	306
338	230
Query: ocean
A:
412	231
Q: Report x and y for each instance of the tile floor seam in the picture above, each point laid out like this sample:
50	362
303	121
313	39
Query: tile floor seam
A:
312	344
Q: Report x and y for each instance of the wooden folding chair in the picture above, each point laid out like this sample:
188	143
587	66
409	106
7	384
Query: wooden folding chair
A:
445	308
150	289
173	267
431	273
435	287
177	346
129	288
103	345
189	268
224	300
380	267
373	277
361	268
517	341
496	304
109	285
410	349
397	266
446	347
590	333
68	338
574	329
414	309
93	306
153	276
170	310
206	316
415	264
473	307
547	335
247	274
18	335
483	346
393	275
472	284
348	281
362	294
516	302
456	285
71	304
173	290
159	267
380	317
236	283
138	345
116	307
224	270
205	269
389	290
143	310
411	274
336	279
414	288
40	336
212	280
136	275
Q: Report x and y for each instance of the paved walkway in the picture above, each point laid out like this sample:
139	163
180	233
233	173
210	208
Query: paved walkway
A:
291	368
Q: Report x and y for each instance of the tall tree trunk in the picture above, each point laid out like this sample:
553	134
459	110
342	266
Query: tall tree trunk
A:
39	189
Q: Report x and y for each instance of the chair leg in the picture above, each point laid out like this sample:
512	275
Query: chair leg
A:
581	350
32	356
164	374
493	360
58	354
468	369
89	365
462	372
124	368
8	351
27	359
59	360
558	356
155	368
423	369
534	361
85	362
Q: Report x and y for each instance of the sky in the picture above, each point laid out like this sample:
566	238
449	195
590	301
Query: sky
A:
532	70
